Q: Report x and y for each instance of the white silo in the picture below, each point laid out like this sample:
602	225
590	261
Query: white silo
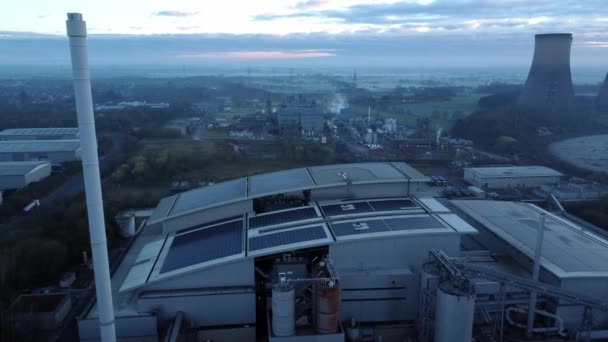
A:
454	313
283	310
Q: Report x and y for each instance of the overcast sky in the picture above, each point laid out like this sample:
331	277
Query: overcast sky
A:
328	32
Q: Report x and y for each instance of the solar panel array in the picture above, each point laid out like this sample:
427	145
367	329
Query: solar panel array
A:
385	225
286	237
204	245
348	228
348	208
282	217
390	205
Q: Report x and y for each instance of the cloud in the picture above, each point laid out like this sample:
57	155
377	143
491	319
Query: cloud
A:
178	14
457	15
261	55
187	28
311	4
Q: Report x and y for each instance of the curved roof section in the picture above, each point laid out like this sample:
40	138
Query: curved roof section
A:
282	182
20	168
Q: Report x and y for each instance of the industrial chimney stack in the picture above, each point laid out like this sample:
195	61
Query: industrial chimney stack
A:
77	32
549	84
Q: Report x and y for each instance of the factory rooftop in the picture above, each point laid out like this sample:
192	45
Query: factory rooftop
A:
282	182
39	146
568	250
20	168
39	131
319	223
514	171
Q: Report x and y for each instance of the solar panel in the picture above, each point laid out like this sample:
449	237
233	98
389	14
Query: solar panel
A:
363	227
282	217
347	208
286	237
204	245
391	205
416	222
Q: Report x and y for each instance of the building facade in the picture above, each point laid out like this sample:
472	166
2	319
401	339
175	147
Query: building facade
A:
17	175
54	151
511	176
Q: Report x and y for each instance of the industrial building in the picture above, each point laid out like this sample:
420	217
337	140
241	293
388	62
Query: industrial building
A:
39	133
574	191
54	151
503	177
17	175
310	120
41	312
549	85
330	252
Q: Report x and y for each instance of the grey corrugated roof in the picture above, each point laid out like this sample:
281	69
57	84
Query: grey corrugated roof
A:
278	181
19	168
515	171
568	250
356	172
12	146
40	131
286	181
211	194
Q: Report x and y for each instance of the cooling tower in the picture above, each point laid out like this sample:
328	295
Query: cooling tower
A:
602	96
549	84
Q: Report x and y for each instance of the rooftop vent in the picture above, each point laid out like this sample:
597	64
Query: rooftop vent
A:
347	207
360	226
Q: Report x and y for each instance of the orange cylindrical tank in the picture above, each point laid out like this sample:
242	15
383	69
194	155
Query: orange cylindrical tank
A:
327	308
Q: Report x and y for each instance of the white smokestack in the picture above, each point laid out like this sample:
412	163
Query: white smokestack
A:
77	31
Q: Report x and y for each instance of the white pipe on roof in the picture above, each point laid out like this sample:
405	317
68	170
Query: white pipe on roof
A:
77	31
535	272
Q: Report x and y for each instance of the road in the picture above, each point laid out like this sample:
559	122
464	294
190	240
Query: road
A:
71	188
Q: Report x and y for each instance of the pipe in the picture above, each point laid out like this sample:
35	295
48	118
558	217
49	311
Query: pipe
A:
558	327
175	328
535	272
77	32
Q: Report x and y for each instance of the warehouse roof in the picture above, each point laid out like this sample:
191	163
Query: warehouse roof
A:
514	171
20	168
40	131
284	182
568	250
39	146
329	222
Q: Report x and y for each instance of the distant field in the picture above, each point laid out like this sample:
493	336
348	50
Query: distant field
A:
215	134
467	104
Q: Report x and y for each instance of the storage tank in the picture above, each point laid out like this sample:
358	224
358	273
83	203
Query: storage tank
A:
327	308
126	223
283	310
454	313
429	278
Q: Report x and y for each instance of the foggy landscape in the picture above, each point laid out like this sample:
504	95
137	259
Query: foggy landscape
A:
304	170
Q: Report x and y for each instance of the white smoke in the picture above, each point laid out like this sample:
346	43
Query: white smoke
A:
438	134
337	103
